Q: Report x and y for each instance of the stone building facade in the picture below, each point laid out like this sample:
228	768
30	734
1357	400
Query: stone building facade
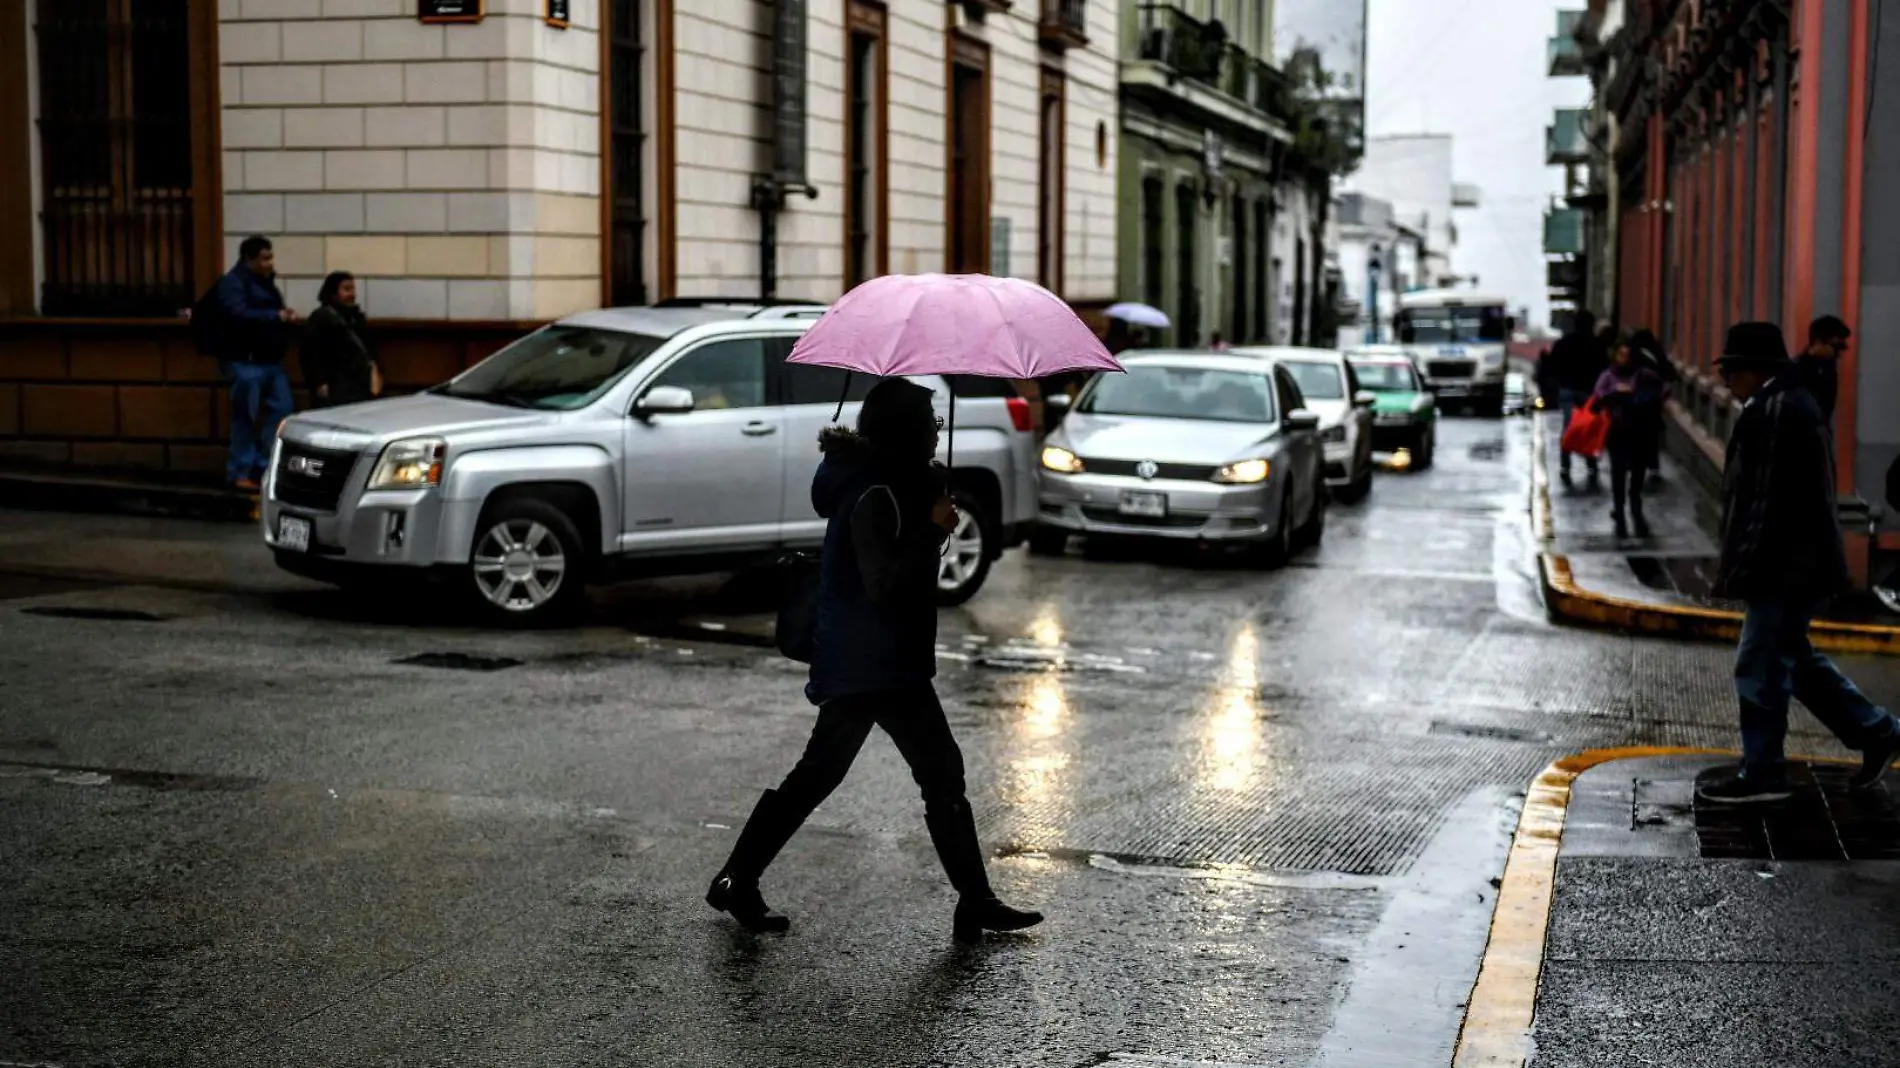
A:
486	165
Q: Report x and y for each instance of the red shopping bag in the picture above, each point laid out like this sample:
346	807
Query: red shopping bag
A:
1588	432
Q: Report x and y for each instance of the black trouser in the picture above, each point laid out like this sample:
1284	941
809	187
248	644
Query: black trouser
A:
914	719
1627	470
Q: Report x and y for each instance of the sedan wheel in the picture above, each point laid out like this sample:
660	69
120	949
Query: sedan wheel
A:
966	558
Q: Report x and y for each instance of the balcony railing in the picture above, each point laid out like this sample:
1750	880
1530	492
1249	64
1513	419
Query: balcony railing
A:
1565	140
1201	52
1065	24
1564	230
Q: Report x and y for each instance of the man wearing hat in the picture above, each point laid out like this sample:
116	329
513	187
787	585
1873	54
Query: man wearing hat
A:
1783	556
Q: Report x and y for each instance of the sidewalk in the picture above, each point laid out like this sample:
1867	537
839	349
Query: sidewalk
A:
1660	584
146	494
1665	931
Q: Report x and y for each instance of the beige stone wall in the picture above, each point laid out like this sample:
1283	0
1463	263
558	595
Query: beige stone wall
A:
455	169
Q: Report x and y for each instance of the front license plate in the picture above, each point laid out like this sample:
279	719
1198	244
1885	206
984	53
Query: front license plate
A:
1146	505
293	533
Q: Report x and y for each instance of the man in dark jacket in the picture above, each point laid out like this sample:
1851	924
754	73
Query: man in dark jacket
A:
1820	365
1783	556
1575	363
254	334
888	512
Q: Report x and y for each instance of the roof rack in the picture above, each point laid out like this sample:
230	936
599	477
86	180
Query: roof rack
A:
727	302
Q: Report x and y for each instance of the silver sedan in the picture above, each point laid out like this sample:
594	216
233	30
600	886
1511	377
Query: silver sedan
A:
1188	446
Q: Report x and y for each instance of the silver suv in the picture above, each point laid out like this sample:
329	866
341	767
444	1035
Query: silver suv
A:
628	441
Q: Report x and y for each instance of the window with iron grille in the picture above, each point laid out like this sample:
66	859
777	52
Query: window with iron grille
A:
1153	229
866	153
117	150
627	142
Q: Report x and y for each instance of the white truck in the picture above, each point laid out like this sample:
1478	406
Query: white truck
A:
1458	340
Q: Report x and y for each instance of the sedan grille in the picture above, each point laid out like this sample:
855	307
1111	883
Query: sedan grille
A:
1451	368
1174	472
1115	518
309	477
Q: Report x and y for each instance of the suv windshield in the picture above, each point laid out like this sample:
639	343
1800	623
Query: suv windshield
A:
1318	381
1386	377
1182	393
558	368
1454	325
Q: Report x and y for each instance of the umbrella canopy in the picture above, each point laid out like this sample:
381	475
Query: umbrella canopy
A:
953	324
1139	315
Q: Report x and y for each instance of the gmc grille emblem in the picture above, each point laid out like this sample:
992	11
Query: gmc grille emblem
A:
307	466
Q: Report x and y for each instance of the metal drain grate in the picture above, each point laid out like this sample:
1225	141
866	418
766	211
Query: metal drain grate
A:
459	662
109	615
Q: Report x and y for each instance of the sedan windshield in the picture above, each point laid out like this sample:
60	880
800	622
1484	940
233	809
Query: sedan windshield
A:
559	368
1318	381
1182	393
1387	377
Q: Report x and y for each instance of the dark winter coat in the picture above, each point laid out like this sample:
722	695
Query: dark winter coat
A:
1822	377
253	327
336	353
877	600
1575	363
1635	414
1781	535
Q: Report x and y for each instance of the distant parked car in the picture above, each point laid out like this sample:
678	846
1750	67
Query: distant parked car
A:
1345	413
628	441
1209	447
1404	413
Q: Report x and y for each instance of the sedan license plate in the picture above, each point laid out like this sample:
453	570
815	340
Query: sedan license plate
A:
1145	505
293	533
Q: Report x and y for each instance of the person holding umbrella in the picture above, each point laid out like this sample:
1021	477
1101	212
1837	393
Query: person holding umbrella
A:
888	511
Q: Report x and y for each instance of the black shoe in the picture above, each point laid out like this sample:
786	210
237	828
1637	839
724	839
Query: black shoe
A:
1640	525
1739	791
988	914
1622	528
953	831
744	902
1874	761
1569	483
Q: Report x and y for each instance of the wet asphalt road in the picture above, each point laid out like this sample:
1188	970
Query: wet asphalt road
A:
1263	809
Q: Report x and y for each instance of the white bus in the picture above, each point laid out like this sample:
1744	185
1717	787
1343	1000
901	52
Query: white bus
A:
1458	338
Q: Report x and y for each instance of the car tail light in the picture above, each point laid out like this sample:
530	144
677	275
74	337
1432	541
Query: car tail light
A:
1019	414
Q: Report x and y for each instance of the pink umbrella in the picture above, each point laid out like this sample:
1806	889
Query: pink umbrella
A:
952	324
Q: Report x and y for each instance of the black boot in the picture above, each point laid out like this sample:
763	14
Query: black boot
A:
735	889
1622	528
1637	521
953	832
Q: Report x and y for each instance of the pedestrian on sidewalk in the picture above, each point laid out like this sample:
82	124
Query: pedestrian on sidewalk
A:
338	364
1631	394
888	512
1782	554
1577	361
1828	338
1650	354
254	332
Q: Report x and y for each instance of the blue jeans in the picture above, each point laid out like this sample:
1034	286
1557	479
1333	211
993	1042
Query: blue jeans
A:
260	398
1775	662
1569	400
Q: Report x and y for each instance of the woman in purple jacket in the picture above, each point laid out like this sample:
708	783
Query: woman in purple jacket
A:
1632	395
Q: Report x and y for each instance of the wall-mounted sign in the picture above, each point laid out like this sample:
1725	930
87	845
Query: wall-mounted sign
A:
559	12
451	10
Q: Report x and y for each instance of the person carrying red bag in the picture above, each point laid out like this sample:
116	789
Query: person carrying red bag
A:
1631	396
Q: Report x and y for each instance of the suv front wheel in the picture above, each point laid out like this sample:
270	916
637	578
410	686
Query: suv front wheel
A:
528	565
966	555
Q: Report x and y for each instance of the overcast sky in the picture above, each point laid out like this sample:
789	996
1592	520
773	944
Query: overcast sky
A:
1478	74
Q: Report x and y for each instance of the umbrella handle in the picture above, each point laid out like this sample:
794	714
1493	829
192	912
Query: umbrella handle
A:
950	458
839	414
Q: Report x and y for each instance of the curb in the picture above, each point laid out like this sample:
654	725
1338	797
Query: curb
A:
1496	1032
1568	602
79	493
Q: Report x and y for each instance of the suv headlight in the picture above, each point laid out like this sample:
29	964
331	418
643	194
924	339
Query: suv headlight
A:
1244	472
1061	460
409	464
1493	360
1333	435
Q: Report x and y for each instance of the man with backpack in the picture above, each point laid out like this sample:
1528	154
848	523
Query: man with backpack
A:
242	321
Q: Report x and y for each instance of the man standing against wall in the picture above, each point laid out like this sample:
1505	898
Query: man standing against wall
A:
1821	364
253	336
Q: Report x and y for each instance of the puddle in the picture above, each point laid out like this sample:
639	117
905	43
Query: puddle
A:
1041	658
74	775
108	615
458	662
1172	868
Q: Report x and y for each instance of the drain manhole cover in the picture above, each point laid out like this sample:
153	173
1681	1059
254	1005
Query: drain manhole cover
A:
459	662
110	615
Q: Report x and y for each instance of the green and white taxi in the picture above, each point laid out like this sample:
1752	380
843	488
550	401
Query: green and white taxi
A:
1404	412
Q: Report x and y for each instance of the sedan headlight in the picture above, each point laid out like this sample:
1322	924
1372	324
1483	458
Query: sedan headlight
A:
1333	435
409	464
1244	473
1058	459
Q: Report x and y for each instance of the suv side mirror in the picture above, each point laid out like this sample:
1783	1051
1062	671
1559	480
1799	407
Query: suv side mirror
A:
1365	398
1058	400
1302	419
663	400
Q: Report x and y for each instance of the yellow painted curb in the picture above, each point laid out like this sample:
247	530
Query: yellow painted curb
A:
1498	1016
1568	602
